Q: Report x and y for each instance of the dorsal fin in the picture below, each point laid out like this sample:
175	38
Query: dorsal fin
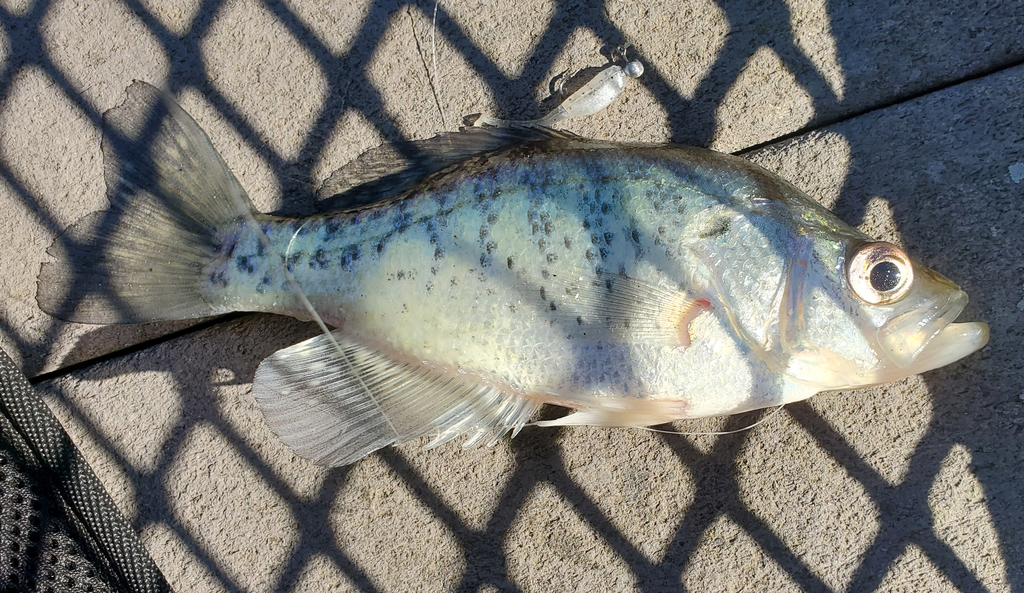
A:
334	405
389	170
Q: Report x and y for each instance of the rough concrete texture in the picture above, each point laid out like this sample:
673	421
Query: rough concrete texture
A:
905	119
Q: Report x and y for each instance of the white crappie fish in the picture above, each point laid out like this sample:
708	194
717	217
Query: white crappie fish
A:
636	284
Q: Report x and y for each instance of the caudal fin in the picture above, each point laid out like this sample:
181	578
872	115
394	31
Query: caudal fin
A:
143	259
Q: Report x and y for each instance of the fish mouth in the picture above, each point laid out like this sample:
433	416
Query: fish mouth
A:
926	338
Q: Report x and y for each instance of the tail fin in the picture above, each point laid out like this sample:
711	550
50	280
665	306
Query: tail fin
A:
170	191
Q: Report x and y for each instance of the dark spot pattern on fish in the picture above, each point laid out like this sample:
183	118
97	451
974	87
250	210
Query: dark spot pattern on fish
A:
545	219
401	223
636	239
244	264
264	282
349	255
319	260
430	226
511	263
218	278
439	253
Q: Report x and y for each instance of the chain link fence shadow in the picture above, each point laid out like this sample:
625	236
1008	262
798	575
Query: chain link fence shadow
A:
961	407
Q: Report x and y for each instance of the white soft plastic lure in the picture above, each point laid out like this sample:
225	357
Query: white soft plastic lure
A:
500	270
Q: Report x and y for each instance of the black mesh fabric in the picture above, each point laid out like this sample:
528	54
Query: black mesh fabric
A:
59	530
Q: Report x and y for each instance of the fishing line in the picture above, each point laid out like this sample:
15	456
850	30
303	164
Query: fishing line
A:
433	48
661	431
745	428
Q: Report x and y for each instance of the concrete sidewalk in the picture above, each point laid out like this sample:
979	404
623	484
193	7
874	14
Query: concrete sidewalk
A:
904	120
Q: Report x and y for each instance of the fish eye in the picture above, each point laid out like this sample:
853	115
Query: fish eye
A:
880	273
885	276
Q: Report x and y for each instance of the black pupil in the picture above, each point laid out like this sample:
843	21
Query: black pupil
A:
885	276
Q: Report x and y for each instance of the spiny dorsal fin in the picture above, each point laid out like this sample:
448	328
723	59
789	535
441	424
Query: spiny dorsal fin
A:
334	405
389	170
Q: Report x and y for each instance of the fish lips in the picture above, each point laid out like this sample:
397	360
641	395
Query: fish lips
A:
925	338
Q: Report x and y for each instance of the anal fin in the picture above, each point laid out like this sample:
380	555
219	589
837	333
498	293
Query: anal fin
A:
335	404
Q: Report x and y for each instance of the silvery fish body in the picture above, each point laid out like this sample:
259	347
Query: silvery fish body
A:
562	270
636	284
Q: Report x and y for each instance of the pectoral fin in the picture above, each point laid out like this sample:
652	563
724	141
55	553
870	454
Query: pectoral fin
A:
627	310
335	404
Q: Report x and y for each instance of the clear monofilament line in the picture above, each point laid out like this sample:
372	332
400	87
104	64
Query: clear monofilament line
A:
745	428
